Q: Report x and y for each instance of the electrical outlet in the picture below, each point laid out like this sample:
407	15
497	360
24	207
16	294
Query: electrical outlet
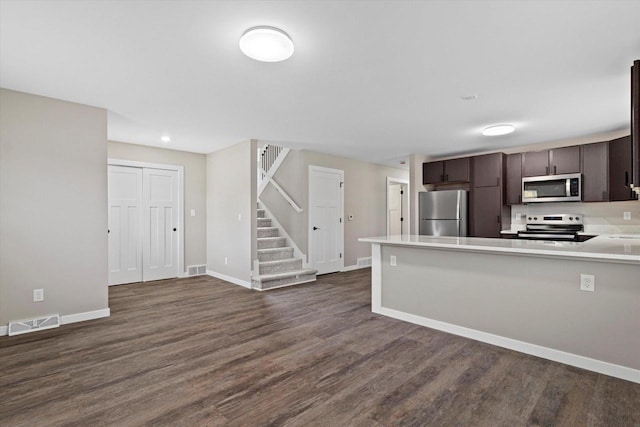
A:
518	217
626	216
38	295
588	282
193	212
392	260
226	261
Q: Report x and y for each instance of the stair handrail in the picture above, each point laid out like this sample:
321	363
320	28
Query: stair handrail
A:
283	193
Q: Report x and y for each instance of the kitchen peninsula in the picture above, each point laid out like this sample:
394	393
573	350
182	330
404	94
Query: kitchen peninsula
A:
520	294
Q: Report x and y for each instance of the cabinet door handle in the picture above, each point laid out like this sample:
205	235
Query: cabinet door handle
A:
519	198
446	177
555	170
498	219
626	178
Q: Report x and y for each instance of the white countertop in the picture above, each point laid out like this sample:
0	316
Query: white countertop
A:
617	248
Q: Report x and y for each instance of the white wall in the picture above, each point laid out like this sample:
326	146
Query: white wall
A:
195	191
365	197
231	210
53	210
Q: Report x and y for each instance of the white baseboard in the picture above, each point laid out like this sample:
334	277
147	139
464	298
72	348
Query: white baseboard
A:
594	365
229	279
87	315
73	318
353	267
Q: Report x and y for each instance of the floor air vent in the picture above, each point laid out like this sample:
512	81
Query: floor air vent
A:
32	325
196	270
364	262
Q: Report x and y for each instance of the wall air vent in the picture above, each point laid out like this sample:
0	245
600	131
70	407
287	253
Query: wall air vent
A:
32	325
196	270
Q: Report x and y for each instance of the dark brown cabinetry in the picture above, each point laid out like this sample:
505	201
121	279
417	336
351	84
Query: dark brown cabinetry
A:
446	171
513	182
487	195
635	122
551	162
595	172
620	169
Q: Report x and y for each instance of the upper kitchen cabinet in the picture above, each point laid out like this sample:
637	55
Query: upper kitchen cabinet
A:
551	162
446	171
488	170
513	189
620	170
595	172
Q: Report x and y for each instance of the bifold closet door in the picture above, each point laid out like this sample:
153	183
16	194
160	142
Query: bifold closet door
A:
159	224
125	216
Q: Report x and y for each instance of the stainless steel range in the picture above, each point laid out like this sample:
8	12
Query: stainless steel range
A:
552	227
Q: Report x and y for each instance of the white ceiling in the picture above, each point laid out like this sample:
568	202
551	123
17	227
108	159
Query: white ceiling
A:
374	80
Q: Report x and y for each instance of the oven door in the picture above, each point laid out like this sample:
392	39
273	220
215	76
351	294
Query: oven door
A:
552	188
548	235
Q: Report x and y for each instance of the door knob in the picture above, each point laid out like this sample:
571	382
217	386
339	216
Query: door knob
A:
316	228
175	229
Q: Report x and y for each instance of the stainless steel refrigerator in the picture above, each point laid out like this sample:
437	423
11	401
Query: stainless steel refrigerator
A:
443	213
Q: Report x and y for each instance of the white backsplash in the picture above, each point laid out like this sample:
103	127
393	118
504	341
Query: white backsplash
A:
599	218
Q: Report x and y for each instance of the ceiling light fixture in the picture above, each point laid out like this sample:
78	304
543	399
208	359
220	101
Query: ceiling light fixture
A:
498	130
266	44
165	138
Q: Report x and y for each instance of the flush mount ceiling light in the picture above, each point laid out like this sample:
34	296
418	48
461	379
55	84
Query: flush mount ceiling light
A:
498	130
267	44
165	138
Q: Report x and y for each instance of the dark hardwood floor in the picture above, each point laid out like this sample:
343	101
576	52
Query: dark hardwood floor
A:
200	351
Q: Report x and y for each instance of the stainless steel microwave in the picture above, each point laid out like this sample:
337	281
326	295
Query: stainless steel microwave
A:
552	188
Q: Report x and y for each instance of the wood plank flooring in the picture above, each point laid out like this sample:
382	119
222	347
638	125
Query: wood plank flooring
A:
200	351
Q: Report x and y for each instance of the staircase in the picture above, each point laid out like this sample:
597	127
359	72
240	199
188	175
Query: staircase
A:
277	266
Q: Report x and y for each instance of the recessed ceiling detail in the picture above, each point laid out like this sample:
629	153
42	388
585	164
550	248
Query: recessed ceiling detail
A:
497	130
266	44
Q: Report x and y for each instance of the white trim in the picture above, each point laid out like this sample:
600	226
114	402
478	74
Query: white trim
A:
181	192
272	170
587	363
283	193
284	286
376	277
73	318
297	253
391	180
309	225
229	279
87	315
354	267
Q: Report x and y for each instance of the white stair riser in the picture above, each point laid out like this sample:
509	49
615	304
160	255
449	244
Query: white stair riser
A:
276	255
272	243
283	282
281	266
268	232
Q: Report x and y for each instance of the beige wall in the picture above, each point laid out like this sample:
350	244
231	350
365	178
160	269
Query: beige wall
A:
365	197
53	216
231	210
526	298
195	191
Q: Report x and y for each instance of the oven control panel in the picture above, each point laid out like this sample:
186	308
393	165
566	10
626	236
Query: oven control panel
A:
558	219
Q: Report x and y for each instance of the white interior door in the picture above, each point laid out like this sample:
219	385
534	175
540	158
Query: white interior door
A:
160	224
395	209
326	228
125	215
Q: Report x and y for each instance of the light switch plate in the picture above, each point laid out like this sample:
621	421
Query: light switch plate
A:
38	295
193	212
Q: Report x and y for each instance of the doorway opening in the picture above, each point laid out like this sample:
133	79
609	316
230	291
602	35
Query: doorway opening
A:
397	207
